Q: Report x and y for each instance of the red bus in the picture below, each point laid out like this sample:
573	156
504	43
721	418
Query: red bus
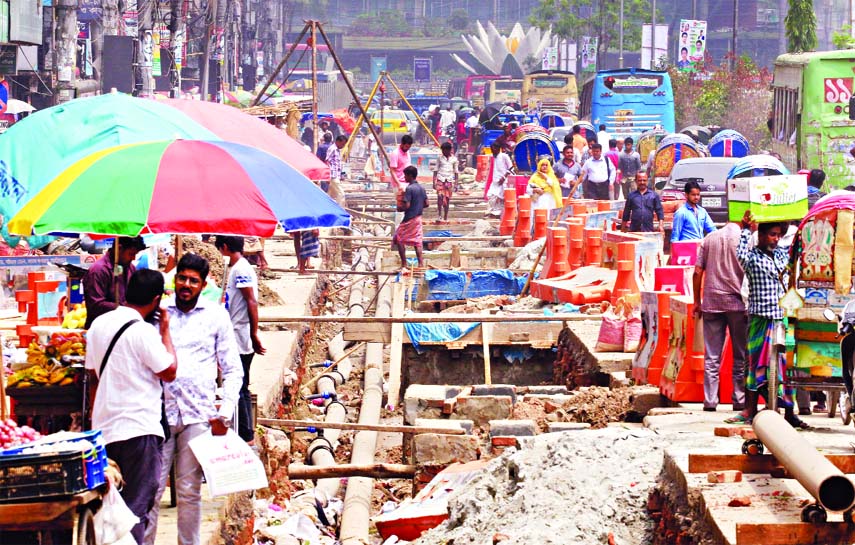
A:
471	88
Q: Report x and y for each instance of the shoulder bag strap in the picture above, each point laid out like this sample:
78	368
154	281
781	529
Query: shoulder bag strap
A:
113	344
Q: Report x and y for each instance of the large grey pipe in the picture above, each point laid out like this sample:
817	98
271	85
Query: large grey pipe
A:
321	450
821	478
357	500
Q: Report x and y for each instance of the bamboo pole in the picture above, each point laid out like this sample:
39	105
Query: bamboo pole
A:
282	63
377	471
407	102
314	87
353	426
424	319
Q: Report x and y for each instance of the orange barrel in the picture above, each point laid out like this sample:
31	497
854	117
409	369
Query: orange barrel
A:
594	246
540	217
625	264
604	206
579	208
576	230
522	233
556	253
482	165
509	212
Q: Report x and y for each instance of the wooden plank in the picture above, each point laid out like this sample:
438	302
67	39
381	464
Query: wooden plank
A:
820	336
795	533
704	463
354	426
396	345
485	346
376	471
429	318
21	514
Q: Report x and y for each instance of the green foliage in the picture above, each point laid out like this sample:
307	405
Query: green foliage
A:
736	98
459	20
564	19
843	39
383	23
800	26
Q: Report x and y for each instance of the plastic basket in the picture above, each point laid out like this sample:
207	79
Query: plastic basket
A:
33	476
94	460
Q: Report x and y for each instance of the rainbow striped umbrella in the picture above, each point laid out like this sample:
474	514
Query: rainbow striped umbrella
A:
180	187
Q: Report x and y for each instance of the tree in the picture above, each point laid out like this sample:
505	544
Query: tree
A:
843	39
459	19
572	19
800	25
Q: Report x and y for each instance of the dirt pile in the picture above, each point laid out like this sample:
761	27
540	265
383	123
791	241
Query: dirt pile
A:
596	406
577	487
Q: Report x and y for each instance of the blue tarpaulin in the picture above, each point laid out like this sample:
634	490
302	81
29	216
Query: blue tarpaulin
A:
457	285
483	283
439	332
445	285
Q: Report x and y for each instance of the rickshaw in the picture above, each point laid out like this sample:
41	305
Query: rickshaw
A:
549	120
530	147
729	143
587	130
757	165
814	363
648	142
671	149
493	128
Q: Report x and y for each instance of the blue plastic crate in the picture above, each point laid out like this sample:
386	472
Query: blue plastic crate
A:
94	460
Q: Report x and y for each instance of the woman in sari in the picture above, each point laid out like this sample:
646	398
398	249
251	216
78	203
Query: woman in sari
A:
544	187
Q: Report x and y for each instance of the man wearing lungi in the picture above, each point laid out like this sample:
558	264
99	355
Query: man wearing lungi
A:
765	267
412	203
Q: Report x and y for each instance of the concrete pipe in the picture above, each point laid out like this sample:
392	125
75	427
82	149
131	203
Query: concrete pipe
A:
832	489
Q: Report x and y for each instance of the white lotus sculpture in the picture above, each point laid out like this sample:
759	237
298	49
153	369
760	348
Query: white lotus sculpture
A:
498	54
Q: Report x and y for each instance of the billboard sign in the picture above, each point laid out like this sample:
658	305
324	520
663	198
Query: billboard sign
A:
422	69
25	22
692	44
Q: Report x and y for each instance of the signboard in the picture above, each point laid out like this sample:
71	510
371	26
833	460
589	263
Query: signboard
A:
770	198
8	60
4	21
691	46
378	64
82	30
422	69
550	58
588	54
661	44
837	90
636	83
4	96
25	22
130	19
89	10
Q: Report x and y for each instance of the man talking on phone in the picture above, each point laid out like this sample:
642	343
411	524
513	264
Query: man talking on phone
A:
130	357
205	343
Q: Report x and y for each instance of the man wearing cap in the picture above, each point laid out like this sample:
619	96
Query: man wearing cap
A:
106	278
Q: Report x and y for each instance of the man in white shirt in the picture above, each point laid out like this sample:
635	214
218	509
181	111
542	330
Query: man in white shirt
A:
128	402
473	130
603	137
205	343
242	303
598	175
446	118
495	192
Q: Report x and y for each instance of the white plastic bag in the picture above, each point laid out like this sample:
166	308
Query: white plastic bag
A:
114	521
229	463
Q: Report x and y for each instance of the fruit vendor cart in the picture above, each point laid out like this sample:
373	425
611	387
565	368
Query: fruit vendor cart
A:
821	265
52	495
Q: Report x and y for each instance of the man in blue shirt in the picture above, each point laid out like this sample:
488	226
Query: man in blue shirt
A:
640	207
691	221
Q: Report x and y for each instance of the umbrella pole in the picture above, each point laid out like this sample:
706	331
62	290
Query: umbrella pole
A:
116	271
314	86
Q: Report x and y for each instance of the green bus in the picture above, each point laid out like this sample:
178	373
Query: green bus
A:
810	122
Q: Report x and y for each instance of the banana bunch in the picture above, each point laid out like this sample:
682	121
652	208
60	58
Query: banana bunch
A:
36	354
39	376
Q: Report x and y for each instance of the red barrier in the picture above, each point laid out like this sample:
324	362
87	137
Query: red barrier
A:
541	216
509	213
522	233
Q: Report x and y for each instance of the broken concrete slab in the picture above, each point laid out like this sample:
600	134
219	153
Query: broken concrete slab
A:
512	428
556	427
482	409
645	398
547	390
495	390
435	448
425	401
467	425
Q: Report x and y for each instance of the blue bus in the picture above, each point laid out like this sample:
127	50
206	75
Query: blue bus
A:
629	101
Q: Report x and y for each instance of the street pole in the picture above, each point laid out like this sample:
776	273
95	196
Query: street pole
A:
653	38
694	9
733	41
852	18
620	55
206	47
313	37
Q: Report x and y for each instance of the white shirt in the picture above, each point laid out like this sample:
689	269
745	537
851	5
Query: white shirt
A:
502	164
241	275
598	171
446	118
603	138
472	122
127	403
204	342
445	168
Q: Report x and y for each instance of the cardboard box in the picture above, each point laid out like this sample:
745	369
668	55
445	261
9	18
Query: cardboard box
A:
770	198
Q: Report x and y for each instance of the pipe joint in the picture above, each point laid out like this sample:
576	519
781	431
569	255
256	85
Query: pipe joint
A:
320	443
